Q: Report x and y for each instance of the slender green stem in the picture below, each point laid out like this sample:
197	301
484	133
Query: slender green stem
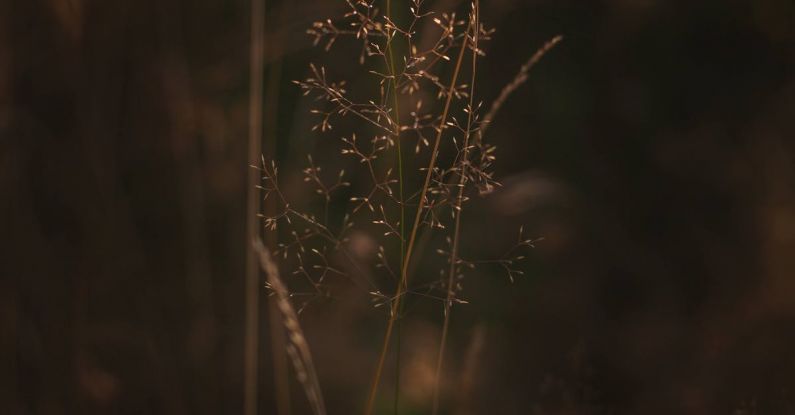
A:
396	304
396	133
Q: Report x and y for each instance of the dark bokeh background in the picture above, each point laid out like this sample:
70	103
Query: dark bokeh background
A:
653	149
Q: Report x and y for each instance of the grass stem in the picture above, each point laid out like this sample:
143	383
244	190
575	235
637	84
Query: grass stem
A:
396	124
402	283
462	174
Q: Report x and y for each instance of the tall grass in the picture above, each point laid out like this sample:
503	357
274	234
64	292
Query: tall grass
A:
451	162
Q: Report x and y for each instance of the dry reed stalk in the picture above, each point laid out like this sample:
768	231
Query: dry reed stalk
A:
417	219
279	359
297	346
251	340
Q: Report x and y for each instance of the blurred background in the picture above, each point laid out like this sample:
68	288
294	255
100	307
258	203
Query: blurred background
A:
652	149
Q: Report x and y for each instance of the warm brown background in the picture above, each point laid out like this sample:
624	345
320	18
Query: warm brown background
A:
653	149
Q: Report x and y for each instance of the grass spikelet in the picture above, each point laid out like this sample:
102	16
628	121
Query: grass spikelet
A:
518	80
297	346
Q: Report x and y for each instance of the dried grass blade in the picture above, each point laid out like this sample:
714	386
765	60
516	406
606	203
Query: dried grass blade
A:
297	346
518	80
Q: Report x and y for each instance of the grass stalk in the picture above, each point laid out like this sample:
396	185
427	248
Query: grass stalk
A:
396	126
297	347
518	80
396	303
475	25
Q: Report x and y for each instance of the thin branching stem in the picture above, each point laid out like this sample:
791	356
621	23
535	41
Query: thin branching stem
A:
457	211
417	220
520	78
443	188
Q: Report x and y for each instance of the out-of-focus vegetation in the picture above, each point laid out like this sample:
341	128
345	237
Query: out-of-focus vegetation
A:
652	150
